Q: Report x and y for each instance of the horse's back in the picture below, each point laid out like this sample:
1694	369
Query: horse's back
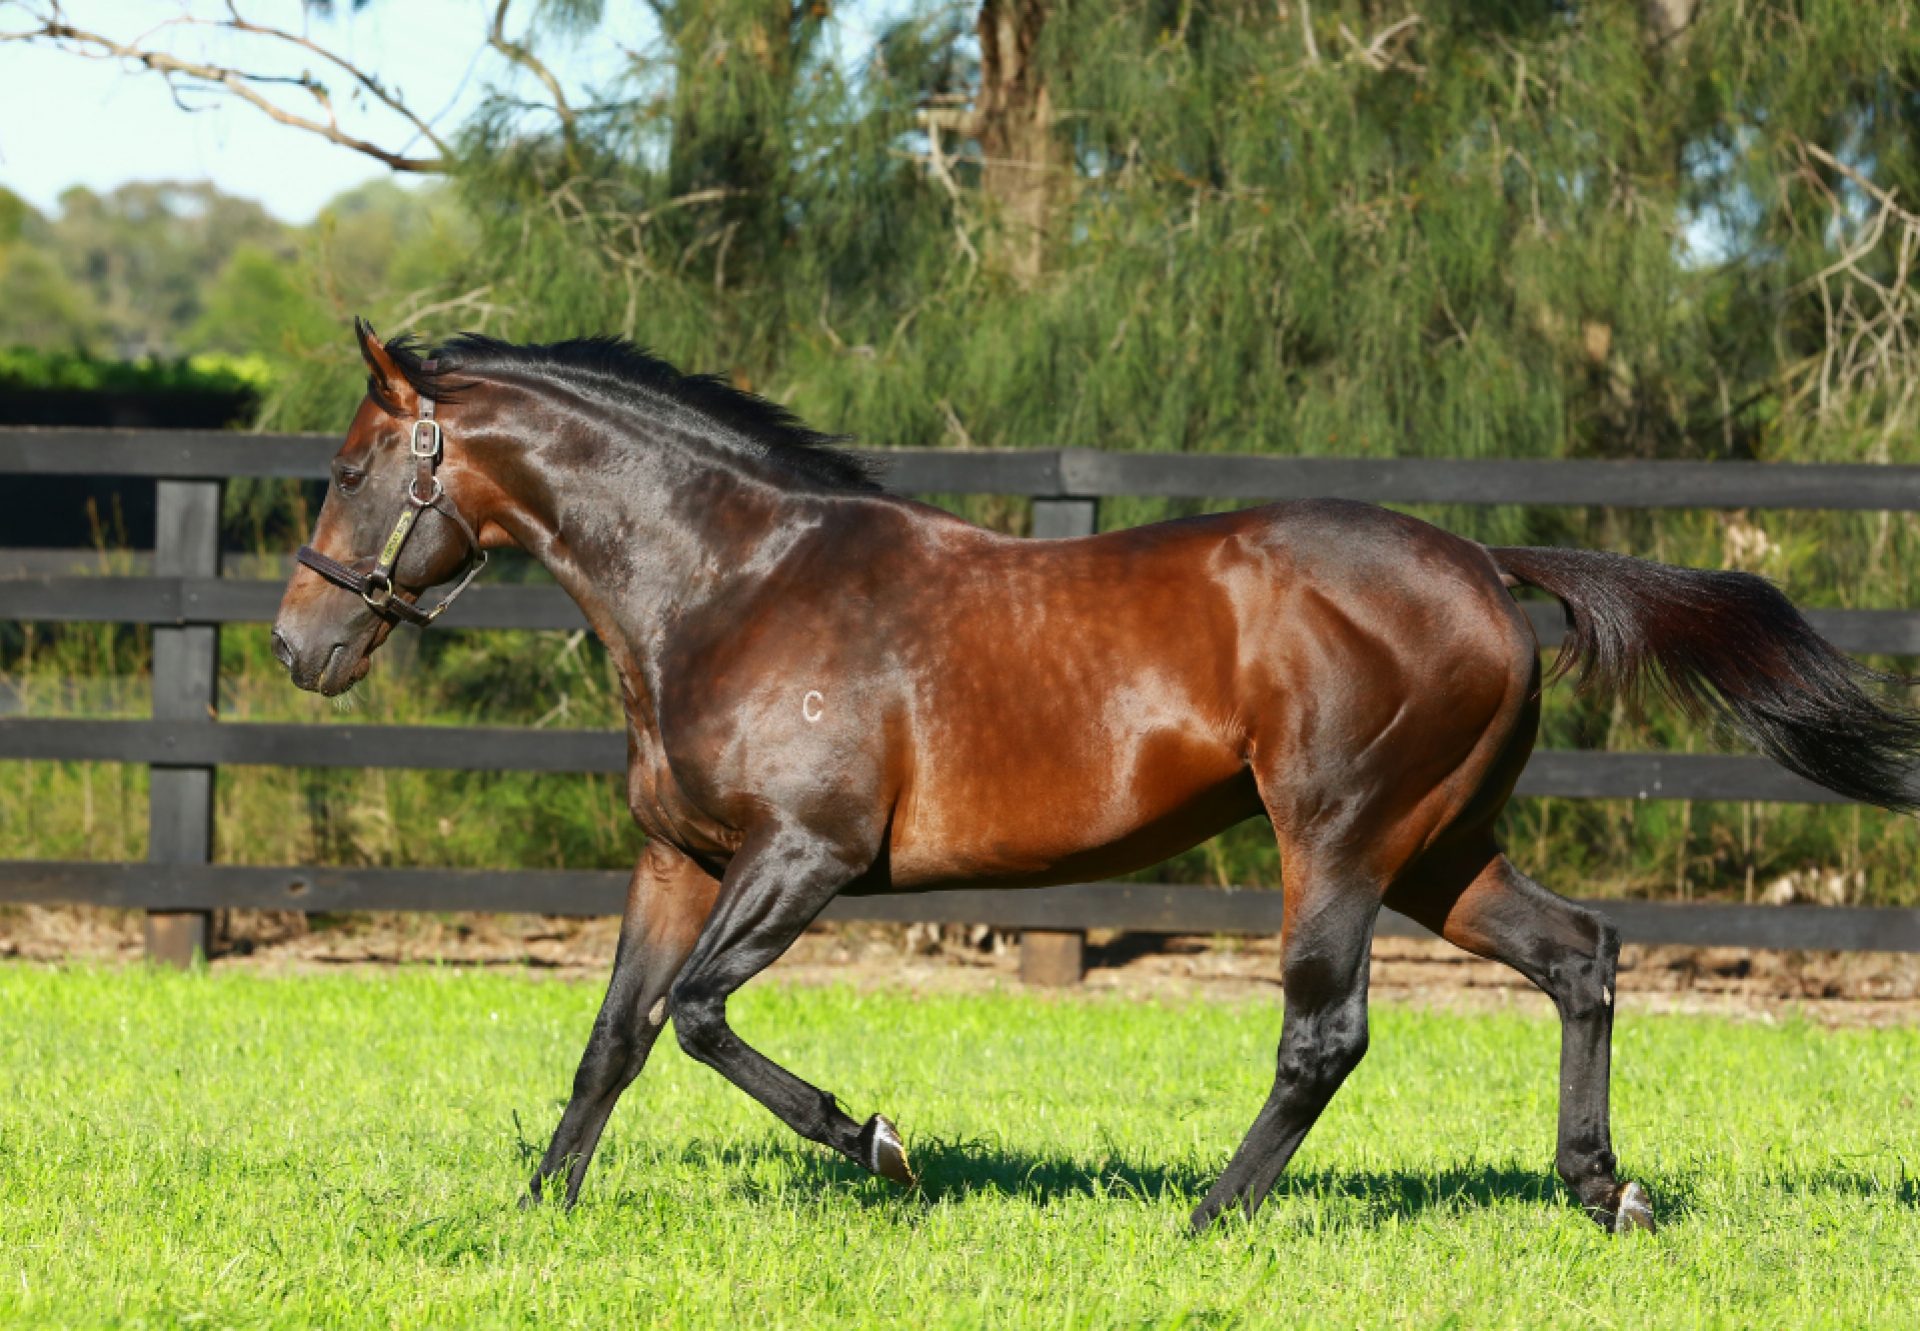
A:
1091	705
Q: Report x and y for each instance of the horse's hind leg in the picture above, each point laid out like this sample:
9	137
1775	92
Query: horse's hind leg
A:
667	903
1478	901
1326	937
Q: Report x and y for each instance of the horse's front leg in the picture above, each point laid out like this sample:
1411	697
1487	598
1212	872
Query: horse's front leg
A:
778	882
668	901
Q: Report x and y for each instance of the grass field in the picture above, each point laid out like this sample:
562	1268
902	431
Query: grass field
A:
232	1149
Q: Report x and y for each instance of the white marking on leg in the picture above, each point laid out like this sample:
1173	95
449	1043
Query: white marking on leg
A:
813	705
658	1012
1606	994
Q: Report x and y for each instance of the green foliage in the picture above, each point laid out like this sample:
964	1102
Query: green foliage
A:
378	251
27	368
146	252
229	1149
258	306
119	287
40	304
1480	248
16	214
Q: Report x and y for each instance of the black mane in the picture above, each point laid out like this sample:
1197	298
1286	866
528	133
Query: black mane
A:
612	364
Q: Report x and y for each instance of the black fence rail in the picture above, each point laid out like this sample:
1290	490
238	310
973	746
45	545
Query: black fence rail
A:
186	599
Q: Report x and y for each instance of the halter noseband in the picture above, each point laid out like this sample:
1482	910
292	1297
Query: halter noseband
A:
424	491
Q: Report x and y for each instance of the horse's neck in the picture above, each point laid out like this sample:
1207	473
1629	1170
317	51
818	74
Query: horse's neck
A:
643	531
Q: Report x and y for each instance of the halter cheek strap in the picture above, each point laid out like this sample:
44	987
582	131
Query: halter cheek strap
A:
375	585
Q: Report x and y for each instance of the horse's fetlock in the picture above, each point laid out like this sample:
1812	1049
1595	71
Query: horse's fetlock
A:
1587	1170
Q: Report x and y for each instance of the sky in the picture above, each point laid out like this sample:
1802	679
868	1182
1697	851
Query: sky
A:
67	120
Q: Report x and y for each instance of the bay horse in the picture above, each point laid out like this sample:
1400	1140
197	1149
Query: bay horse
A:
829	688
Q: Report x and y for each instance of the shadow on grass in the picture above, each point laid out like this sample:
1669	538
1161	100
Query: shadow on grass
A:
1904	1191
959	1170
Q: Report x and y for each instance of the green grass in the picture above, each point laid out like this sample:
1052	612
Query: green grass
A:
230	1149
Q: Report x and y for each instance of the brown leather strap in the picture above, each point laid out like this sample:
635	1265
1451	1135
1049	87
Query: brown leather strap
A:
357	582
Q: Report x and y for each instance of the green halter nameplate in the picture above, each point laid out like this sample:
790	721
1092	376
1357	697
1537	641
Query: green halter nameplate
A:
398	538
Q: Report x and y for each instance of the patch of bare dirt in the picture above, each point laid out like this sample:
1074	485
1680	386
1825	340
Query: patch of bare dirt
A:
1839	988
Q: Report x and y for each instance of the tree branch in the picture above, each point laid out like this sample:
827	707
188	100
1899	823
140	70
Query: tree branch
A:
1375	53
366	80
524	57
242	83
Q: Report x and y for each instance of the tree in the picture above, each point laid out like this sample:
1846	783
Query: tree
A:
40	306
145	253
1351	226
1022	159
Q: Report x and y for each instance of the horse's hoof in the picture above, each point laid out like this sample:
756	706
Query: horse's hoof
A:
1633	1210
883	1154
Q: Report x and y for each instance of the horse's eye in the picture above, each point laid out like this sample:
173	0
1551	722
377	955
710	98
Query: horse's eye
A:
348	479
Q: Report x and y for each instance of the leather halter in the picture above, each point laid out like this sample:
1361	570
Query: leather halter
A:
375	585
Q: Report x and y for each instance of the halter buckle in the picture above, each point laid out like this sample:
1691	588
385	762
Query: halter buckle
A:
378	591
433	496
427	430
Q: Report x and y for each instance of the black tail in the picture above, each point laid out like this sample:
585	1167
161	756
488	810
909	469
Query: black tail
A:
1731	647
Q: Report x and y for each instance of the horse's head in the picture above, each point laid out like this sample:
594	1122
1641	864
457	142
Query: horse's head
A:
388	530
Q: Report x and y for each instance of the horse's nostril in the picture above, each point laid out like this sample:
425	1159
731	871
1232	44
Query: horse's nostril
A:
282	649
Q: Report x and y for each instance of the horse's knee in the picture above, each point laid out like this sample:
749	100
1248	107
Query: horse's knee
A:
1321	1051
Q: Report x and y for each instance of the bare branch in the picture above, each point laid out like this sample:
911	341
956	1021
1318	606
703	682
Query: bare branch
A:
699	196
1306	32
524	57
1869	358
962	120
965	123
471	300
1375	55
241	83
1881	196
366	80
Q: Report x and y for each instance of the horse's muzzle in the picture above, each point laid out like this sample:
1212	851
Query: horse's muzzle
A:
329	669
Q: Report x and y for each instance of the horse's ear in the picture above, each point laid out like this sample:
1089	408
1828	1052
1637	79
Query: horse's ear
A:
385	383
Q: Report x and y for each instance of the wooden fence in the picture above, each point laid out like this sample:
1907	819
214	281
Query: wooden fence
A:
185	599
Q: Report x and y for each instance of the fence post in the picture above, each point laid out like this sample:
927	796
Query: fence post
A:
186	662
1050	956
